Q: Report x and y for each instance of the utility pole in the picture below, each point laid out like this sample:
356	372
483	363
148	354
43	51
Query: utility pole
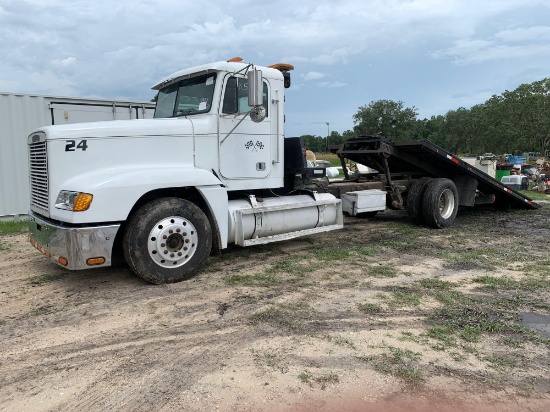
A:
328	133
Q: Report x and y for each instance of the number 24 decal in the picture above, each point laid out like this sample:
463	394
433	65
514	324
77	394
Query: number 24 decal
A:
72	146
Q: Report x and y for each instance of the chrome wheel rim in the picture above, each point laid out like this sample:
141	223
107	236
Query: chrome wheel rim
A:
172	242
446	203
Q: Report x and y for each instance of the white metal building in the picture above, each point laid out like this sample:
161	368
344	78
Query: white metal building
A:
20	114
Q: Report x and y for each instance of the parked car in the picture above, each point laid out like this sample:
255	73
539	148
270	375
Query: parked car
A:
516	182
529	171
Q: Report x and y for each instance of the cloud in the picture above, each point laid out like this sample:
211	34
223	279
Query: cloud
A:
119	49
332	85
49	82
69	61
313	76
536	33
465	52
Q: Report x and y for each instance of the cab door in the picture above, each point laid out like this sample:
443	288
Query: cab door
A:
244	146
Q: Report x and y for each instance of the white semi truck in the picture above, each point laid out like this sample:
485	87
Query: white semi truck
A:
213	168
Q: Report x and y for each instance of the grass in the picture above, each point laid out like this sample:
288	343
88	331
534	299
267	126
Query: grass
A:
402	244
328	378
436	284
334	253
381	271
475	317
41	310
460	317
443	334
487	258
537	268
340	341
21	226
369	308
471	334
501	361
503	282
403	297
40	279
252	280
470	318
270	359
400	363
305	376
492	282
535	195
296	265
289	316
152	308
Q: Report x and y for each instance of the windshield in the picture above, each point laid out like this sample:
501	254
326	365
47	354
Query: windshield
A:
189	96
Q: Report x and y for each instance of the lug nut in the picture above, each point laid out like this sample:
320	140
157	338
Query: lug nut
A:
163	244
165	252
165	237
186	240
177	230
185	248
179	253
171	255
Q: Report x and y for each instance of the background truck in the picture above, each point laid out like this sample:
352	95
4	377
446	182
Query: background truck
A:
213	168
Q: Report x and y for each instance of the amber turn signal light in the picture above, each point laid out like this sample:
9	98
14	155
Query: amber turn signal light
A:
82	202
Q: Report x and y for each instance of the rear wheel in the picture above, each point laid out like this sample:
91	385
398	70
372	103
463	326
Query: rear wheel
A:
415	197
167	240
440	203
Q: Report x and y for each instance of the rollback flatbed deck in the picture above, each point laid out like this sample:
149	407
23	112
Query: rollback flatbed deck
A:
400	164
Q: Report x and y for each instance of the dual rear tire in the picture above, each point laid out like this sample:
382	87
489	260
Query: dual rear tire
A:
433	202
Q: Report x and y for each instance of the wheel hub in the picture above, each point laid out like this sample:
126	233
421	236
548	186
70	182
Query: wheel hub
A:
446	203
172	242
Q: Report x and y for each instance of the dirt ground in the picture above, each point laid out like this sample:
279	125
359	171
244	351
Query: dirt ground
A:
383	315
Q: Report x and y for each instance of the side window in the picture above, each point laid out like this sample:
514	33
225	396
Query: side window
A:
165	101
236	96
230	97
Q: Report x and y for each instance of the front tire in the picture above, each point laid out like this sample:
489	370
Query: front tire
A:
440	203
167	240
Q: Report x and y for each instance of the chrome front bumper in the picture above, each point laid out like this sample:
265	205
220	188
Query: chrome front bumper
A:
74	246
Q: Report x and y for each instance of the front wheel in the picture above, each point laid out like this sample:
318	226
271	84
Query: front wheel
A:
167	240
440	203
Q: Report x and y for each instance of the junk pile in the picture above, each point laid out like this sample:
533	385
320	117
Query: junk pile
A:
543	177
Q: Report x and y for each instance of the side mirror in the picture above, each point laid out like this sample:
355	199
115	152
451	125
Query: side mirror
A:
255	88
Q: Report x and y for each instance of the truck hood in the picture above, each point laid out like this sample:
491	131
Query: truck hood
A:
125	128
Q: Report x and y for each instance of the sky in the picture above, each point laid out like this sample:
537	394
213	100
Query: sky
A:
434	55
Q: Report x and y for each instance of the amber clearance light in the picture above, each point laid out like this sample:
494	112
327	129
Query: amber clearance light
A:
95	261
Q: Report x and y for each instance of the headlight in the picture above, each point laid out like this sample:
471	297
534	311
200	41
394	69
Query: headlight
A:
75	201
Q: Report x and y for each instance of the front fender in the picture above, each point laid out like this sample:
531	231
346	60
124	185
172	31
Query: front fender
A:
115	191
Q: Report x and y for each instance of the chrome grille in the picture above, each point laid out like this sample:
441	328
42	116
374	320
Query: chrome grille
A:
38	161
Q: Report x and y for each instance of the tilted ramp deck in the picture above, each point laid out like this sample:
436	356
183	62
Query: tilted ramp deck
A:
425	158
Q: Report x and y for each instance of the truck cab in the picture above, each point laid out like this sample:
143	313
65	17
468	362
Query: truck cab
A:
207	171
213	101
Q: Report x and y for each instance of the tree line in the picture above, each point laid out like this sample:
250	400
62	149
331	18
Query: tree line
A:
513	122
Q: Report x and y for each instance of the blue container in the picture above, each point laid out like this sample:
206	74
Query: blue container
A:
517	160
